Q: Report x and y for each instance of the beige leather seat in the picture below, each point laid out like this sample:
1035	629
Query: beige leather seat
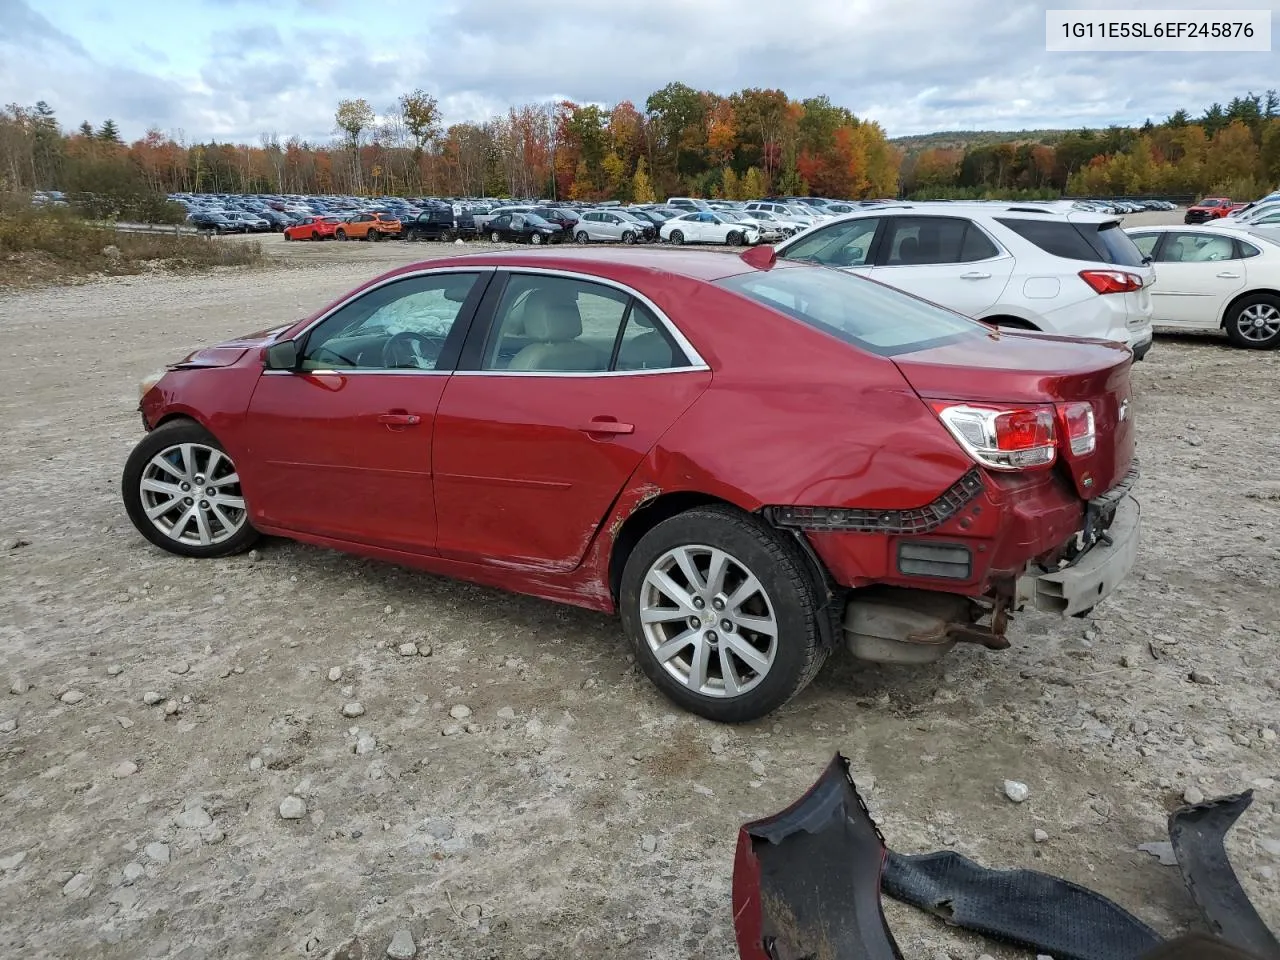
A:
649	351
555	323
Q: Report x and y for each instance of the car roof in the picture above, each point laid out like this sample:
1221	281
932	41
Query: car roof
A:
704	265
951	208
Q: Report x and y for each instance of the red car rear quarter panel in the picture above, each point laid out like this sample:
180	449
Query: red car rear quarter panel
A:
794	416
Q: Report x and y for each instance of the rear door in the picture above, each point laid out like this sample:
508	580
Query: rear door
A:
566	383
1196	274
948	260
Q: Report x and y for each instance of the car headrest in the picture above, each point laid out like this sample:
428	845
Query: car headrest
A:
551	318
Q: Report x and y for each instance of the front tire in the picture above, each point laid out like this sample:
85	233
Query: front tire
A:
733	239
722	614
1254	322
341	234
182	492
628	237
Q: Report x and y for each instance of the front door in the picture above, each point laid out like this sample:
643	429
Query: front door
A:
341	447
572	386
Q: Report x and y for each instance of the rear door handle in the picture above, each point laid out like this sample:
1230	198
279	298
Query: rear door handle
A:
1229	276
608	425
975	275
399	419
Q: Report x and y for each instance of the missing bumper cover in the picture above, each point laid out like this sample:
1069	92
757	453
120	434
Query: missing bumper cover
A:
858	520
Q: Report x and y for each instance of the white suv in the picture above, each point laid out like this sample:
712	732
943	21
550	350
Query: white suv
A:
1065	272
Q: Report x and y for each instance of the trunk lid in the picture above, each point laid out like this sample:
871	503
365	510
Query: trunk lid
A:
1014	369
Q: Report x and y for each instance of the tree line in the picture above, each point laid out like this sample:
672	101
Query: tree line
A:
752	143
684	141
1232	150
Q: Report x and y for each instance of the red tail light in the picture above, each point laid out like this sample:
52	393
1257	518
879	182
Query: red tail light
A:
1003	438
1078	427
1111	281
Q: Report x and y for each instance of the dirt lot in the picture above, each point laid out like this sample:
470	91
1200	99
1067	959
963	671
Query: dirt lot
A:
583	817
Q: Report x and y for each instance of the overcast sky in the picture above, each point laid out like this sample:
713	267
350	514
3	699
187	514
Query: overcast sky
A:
233	69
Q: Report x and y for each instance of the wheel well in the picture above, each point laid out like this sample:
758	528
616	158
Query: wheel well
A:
641	521
1015	322
1248	293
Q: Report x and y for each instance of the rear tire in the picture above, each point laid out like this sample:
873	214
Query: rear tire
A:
677	237
1009	323
1253	322
373	236
535	239
495	237
784	600
171	529
581	237
315	235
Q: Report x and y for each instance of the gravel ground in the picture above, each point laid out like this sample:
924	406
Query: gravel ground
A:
515	788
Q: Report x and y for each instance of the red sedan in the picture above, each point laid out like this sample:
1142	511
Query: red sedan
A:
751	461
313	228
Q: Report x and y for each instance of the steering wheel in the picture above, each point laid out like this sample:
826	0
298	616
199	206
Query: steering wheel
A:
412	350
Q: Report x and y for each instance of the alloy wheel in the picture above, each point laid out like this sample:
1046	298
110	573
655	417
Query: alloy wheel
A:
1258	322
708	621
191	494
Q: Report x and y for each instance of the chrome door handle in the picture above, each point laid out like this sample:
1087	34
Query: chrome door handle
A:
601	425
975	275
1226	275
399	419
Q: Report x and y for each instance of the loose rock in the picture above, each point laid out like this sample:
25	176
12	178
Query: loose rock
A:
460	711
19	687
72	697
1040	836
1015	791
1163	850
402	946
170	707
1208	679
648	843
159	852
126	768
353	709
151	698
292	808
115	670
408	649
424	649
365	745
180	667
506	713
13	862
132	873
197	818
1193	795
78	887
125	722
472	728
9	725
335	674
255	764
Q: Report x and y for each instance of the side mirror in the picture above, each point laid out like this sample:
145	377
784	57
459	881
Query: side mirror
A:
282	355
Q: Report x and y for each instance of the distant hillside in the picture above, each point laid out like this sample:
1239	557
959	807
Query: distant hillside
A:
960	139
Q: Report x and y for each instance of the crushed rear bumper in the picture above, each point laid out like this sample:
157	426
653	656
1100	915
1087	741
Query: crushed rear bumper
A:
1092	576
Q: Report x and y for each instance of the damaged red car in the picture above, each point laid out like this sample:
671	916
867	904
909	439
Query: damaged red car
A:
753	462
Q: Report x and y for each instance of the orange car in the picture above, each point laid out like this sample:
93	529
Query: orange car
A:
368	226
313	228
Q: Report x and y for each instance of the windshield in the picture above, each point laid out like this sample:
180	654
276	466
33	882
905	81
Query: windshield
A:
861	312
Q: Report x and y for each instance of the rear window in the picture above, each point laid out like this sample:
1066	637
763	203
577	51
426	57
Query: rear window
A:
861	312
1104	242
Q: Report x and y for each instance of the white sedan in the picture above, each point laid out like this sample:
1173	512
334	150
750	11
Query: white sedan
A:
1210	278
703	226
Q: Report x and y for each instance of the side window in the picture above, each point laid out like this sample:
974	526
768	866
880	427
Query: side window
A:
1196	248
1057	238
400	326
1145	242
555	325
977	245
923	240
645	343
1246	250
844	244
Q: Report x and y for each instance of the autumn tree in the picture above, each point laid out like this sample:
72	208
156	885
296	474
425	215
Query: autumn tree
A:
353	118
641	187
